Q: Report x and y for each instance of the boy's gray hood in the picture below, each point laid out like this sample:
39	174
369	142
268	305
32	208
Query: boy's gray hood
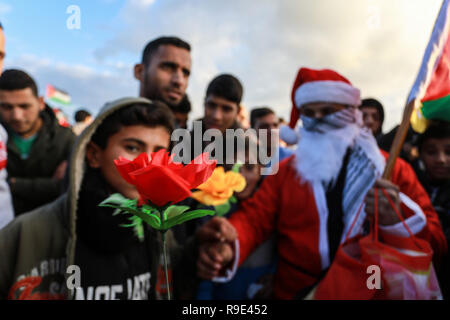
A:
77	166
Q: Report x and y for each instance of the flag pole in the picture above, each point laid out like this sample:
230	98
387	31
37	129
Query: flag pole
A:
399	139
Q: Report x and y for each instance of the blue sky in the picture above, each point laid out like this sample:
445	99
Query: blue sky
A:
39	27
377	44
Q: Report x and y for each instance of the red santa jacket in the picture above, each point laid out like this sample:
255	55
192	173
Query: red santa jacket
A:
285	206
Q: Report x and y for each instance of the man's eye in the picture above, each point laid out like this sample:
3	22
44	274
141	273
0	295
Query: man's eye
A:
308	113
327	111
131	148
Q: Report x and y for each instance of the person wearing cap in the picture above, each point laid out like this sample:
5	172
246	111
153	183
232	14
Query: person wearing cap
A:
316	194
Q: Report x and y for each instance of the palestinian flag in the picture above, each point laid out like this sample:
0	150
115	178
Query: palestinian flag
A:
57	95
431	90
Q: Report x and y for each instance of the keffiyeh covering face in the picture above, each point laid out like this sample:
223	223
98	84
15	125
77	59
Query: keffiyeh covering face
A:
320	153
324	143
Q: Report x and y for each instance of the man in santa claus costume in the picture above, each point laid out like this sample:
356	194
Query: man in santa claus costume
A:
316	194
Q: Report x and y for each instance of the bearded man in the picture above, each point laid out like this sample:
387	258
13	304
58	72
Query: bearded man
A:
316	194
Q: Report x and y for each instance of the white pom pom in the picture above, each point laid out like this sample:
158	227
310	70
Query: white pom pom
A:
289	135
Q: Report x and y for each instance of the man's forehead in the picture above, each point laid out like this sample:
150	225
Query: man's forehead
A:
144	135
369	109
17	95
221	101
437	142
319	105
2	42
2	37
268	118
168	52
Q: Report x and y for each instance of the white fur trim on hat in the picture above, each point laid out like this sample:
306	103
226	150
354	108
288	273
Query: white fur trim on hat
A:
289	135
327	91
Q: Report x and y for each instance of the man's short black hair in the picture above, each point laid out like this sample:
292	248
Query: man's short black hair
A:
81	115
226	86
370	102
436	130
152	115
153	45
13	79
257	113
184	106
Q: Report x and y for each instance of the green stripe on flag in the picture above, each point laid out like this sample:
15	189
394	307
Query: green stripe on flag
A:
61	101
438	109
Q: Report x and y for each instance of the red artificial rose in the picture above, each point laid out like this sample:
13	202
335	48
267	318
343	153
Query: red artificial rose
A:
126	166
160	180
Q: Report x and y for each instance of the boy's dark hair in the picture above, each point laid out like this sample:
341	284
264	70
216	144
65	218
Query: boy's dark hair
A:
370	102
257	113
81	115
152	115
184	106
436	130
226	86
153	45
13	79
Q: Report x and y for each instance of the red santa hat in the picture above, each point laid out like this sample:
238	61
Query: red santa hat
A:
318	86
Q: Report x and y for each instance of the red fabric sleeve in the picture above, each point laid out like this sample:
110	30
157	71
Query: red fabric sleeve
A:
255	220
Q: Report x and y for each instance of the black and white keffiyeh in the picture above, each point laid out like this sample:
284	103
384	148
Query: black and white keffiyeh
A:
319	157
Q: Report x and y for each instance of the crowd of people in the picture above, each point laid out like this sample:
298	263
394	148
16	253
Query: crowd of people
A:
276	242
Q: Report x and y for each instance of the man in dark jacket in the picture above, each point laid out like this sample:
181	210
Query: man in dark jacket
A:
222	104
433	171
38	147
164	73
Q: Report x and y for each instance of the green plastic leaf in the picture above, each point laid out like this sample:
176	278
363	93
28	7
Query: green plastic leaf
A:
149	204
115	199
127	225
139	230
117	211
233	199
174	211
147	209
236	167
186	217
149	218
222	209
127	206
136	224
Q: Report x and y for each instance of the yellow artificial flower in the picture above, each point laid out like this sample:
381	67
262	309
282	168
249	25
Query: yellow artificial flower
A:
219	187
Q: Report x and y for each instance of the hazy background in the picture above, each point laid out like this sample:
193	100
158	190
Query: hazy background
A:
377	44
